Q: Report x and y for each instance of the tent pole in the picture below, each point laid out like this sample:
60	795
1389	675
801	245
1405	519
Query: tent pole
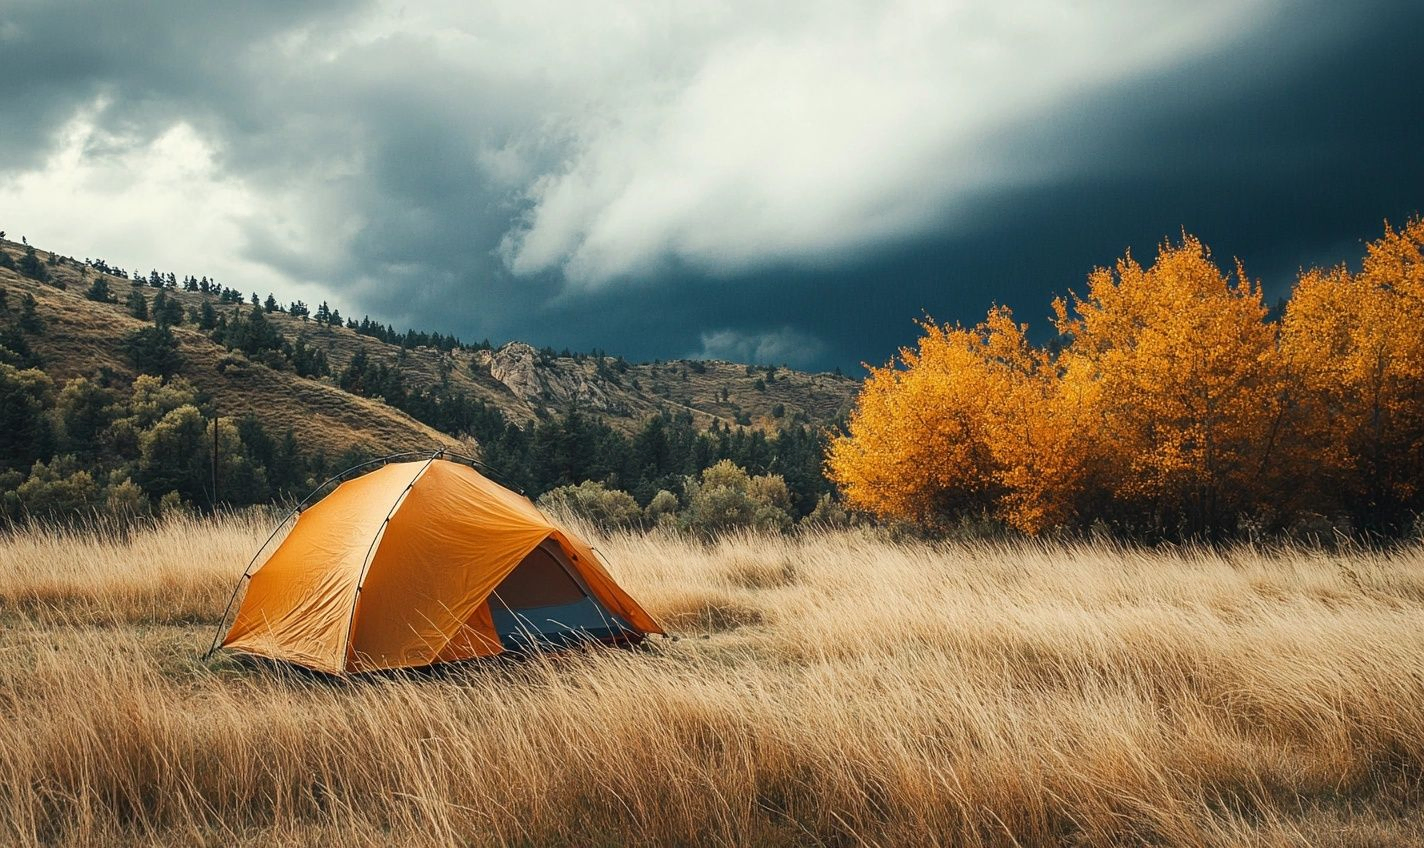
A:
366	563
485	466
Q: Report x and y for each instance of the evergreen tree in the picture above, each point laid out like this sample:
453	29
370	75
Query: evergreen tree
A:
137	304
30	320
25	432
166	310
99	290
207	316
154	350
32	266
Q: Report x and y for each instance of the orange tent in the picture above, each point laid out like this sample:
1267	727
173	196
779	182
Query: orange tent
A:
424	562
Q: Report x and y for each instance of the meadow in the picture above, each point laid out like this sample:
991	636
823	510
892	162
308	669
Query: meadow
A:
827	688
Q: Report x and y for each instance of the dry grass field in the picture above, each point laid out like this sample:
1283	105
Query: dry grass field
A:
829	689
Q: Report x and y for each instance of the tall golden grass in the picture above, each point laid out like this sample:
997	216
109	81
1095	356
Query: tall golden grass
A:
828	689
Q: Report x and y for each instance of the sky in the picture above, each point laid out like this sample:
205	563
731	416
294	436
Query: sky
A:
783	183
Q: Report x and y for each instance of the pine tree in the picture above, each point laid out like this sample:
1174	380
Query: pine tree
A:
99	290
32	266
207	316
30	320
137	304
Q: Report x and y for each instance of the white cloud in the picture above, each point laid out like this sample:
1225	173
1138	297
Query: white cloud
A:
832	127
391	150
162	203
782	346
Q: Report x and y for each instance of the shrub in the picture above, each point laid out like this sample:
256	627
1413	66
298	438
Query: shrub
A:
662	509
725	497
608	509
828	512
126	501
59	489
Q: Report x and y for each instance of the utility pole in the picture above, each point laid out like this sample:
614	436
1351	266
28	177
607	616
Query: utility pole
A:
215	456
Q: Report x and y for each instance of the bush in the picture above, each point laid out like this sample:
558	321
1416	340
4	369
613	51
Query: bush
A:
827	513
607	509
725	497
662	509
126	501
59	489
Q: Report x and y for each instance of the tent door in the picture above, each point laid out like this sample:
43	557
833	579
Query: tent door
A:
542	604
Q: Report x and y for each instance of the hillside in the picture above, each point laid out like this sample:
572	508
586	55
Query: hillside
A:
85	337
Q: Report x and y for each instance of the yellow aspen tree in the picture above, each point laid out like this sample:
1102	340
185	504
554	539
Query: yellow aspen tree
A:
1037	431
1356	346
1186	389
917	443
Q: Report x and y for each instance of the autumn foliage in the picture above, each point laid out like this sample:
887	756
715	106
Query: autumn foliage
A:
1171	403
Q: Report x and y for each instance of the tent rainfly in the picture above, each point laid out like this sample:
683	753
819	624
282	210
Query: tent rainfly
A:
424	562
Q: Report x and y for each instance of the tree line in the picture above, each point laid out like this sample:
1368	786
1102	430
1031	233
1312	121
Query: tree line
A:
103	443
1170	404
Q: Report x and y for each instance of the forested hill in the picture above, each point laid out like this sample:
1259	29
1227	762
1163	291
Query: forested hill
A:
311	388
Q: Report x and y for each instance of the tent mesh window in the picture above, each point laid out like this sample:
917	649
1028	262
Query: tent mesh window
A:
541	605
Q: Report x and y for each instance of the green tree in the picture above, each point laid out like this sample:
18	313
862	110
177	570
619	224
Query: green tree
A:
99	290
26	435
82	412
153	397
30	320
32	266
154	350
241	479
174	455
167	310
137	304
57	490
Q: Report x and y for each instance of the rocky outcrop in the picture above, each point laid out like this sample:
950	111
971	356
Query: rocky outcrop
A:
551	386
516	365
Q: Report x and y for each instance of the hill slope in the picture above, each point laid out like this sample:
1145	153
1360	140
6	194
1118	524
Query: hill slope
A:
85	337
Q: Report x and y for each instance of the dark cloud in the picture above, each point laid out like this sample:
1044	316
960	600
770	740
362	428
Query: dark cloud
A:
400	166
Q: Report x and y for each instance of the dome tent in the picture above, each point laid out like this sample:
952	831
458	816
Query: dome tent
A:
422	562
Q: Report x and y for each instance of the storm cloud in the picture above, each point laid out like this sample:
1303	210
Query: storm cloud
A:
778	182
